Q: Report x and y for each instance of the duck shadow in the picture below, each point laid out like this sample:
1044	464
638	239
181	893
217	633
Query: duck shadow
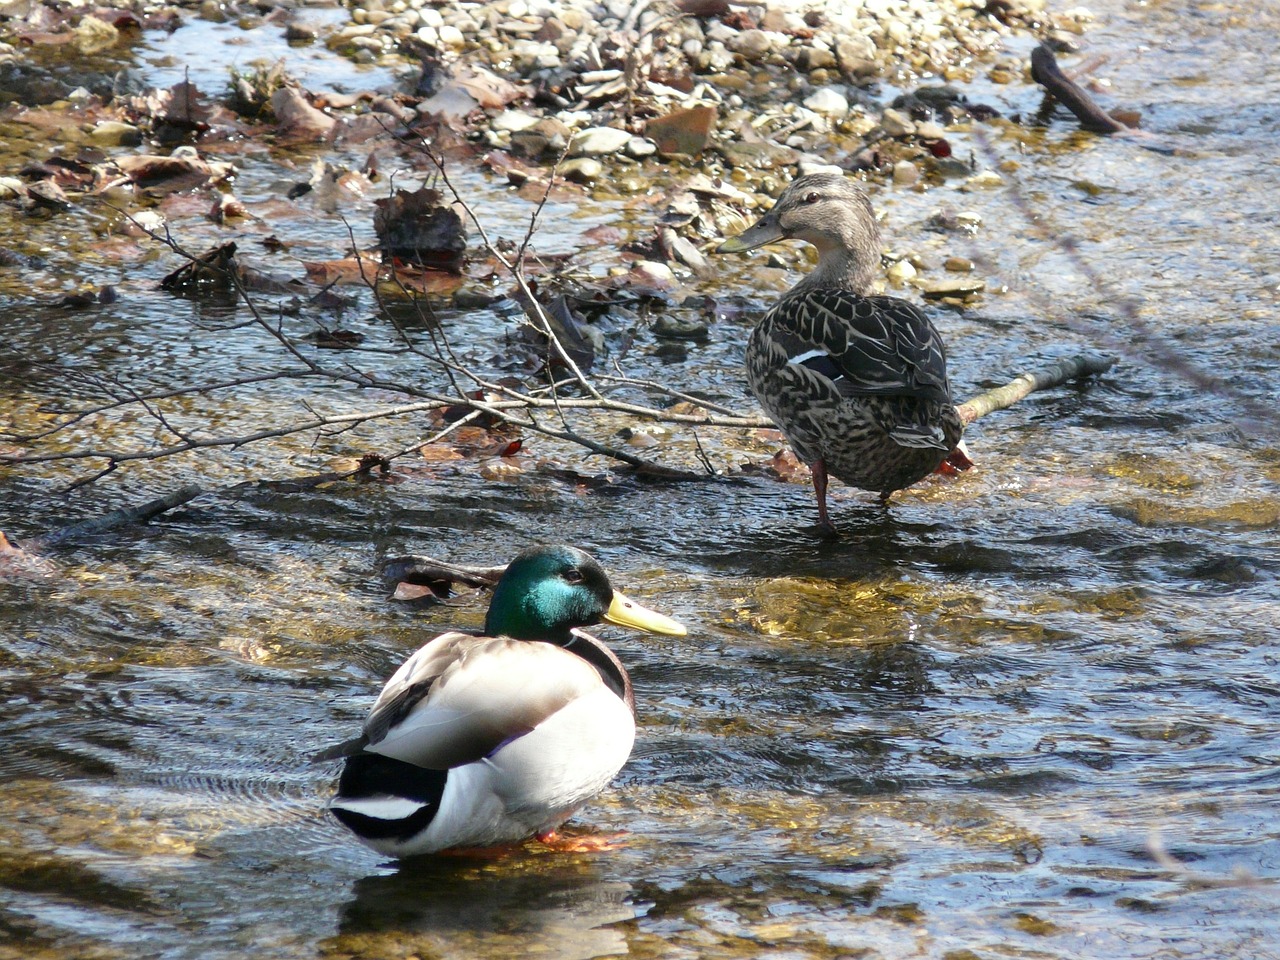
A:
518	905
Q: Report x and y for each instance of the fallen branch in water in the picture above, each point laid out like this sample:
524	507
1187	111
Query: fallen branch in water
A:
118	518
1059	373
1046	72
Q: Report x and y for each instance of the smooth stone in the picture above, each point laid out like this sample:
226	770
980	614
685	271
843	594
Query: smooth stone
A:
928	130
829	101
752	44
300	32
757	156
901	271
582	169
638	147
984	180
897	124
113	133
451	36
598	141
815	58
952	167
905	172
513	121
952	287
679	328
682	131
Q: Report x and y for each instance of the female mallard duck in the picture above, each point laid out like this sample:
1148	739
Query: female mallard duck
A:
858	384
483	740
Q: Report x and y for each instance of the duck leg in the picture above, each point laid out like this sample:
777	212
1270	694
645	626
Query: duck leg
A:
819	468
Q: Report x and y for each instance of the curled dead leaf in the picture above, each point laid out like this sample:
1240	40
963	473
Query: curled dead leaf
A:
297	119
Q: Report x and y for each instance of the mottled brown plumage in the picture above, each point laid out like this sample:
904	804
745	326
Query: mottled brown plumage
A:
857	383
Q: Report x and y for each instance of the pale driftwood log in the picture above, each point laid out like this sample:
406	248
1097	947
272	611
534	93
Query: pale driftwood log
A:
1082	365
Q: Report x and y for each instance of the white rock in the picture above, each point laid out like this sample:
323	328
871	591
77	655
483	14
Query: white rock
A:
897	124
652	270
721	33
640	147
430	17
597	141
985	179
752	44
451	36
905	172
810	164
901	272
829	101
512	120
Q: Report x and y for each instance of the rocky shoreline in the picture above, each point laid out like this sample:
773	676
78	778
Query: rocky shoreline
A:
762	84
715	105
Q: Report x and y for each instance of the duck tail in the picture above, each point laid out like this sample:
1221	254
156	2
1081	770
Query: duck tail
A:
381	799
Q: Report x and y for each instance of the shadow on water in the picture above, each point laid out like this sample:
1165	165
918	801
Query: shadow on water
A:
549	905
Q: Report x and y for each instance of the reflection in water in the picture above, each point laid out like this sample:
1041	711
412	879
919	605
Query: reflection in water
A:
522	906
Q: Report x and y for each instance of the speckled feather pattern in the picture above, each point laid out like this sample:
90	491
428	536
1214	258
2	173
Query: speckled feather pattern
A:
888	420
856	381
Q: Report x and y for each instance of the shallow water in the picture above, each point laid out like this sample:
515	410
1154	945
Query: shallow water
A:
962	730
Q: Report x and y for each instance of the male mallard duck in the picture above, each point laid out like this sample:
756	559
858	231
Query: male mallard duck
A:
483	740
858	384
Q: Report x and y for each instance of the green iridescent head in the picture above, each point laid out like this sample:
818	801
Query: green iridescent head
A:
547	591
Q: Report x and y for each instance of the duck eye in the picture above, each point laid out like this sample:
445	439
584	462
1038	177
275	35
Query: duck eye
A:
812	197
573	576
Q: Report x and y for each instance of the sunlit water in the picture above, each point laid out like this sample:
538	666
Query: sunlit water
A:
964	729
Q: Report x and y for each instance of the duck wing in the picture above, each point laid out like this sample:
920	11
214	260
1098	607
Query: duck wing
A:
460	698
869	346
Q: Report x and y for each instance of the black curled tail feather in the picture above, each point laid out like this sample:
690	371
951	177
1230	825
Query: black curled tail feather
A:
373	777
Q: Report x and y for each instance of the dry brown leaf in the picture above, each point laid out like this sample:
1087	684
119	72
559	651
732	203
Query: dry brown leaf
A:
298	119
18	564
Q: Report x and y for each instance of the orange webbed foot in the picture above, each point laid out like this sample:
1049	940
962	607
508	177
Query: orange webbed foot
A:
957	461
588	843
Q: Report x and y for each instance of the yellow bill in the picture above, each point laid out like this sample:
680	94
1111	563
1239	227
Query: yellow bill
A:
627	613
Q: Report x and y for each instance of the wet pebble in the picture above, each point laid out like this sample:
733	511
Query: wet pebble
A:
961	287
905	173
829	101
900	272
598	141
897	124
639	147
678	328
511	121
582	169
113	133
752	44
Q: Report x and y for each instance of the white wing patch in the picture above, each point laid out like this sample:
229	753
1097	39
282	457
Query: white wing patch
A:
800	358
